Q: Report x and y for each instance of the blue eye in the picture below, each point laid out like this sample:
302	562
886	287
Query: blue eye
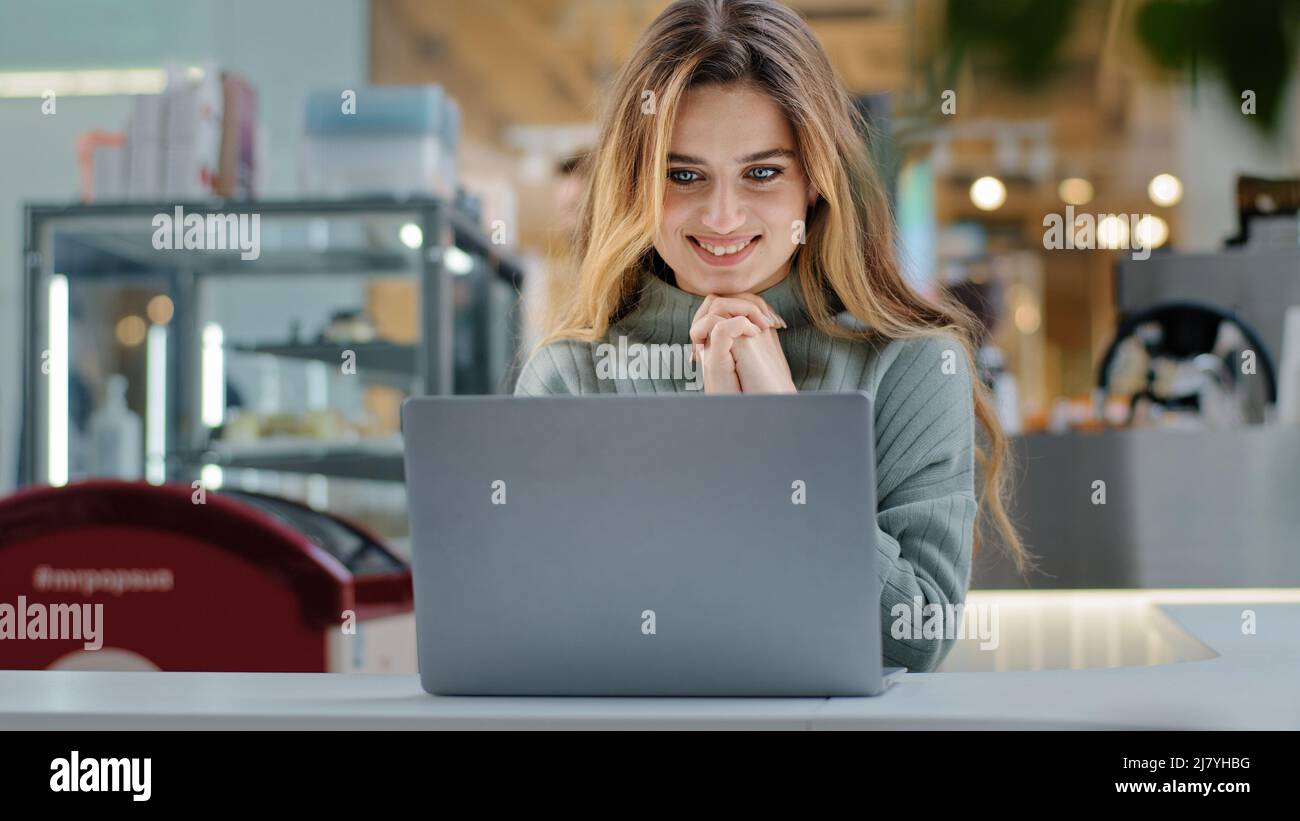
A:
762	174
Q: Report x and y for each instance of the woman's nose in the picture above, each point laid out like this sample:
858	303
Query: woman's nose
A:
724	211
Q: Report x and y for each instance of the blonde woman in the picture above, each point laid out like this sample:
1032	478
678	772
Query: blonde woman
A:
732	208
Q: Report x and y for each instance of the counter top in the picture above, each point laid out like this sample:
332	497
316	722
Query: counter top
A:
1248	681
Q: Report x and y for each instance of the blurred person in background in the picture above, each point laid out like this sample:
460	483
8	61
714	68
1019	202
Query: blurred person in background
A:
544	303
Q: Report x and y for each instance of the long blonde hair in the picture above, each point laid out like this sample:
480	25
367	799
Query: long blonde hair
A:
847	262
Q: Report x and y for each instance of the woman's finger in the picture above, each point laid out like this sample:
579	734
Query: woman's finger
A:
733	306
704	307
703	326
727	330
727	306
778	320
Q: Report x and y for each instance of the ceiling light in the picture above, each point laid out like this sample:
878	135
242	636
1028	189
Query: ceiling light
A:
1152	231
411	235
1165	190
1112	232
988	193
1075	191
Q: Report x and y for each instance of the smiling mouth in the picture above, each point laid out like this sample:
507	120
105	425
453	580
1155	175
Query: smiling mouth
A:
725	250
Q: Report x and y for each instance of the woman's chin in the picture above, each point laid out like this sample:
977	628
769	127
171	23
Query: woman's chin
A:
722	282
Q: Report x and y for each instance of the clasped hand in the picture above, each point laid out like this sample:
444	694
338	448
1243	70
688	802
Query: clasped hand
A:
737	348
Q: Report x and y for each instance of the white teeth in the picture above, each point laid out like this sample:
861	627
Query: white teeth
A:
718	251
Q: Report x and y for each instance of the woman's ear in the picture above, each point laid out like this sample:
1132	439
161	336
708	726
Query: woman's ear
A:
811	194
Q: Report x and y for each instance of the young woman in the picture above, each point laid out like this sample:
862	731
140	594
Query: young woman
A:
732	208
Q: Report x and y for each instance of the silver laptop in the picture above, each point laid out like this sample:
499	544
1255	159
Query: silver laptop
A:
683	545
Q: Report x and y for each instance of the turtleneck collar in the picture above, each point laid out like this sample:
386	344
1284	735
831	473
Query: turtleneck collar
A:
663	312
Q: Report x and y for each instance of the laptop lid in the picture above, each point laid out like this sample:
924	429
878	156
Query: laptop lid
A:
686	545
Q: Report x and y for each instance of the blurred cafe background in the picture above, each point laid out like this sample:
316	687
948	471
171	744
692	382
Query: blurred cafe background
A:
411	244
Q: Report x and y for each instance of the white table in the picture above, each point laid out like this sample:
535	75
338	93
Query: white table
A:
1252	683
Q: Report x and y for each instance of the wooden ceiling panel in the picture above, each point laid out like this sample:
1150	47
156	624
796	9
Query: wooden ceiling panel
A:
534	62
546	63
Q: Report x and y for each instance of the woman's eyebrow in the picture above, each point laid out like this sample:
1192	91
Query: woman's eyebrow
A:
761	155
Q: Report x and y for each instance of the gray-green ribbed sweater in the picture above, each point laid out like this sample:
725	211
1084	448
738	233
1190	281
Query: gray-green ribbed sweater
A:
924	428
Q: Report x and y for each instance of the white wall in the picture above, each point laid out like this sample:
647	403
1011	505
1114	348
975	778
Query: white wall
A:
1214	144
285	48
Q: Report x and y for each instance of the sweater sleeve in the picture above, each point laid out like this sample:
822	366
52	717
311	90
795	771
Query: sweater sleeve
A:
553	369
926	504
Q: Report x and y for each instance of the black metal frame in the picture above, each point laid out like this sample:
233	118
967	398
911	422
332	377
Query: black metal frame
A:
442	226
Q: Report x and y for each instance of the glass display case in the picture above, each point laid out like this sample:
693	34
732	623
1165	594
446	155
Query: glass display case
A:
263	346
